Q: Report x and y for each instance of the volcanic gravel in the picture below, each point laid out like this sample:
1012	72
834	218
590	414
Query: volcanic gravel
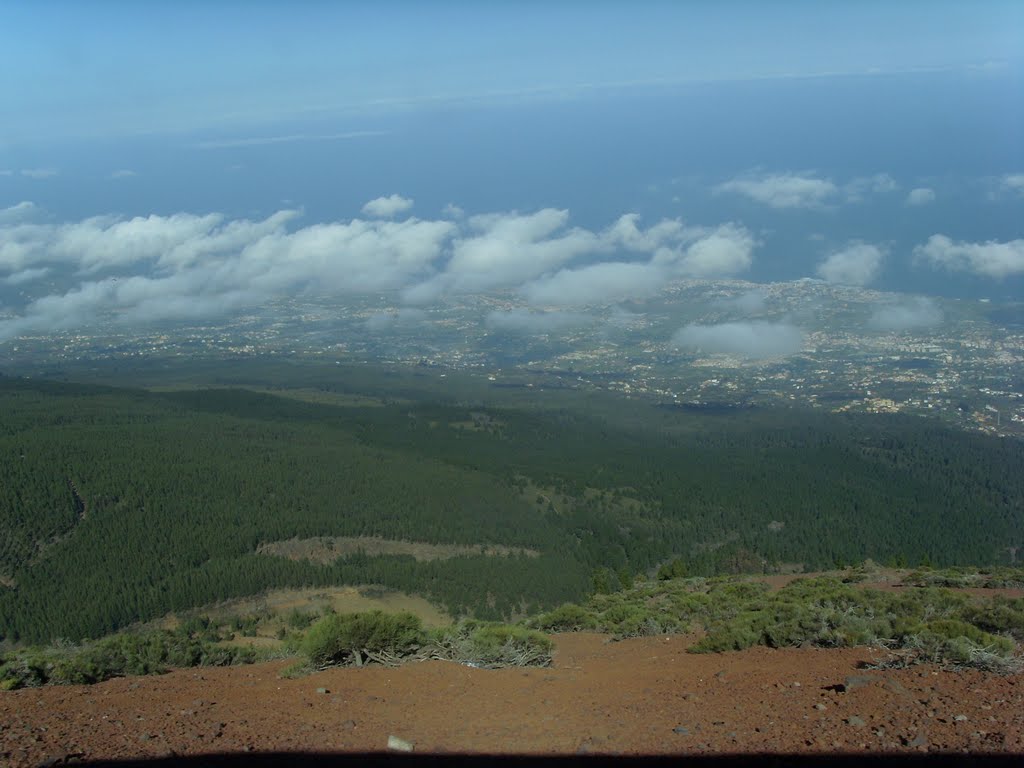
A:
642	696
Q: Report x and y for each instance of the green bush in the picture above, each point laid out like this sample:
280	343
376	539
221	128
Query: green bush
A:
676	569
735	636
928	623
1001	614
116	656
566	618
297	619
348	637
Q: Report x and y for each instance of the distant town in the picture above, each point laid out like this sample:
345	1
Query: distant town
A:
964	362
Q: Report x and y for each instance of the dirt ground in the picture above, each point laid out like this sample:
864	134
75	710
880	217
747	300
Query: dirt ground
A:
642	696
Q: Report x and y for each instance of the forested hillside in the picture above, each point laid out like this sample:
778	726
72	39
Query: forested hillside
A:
118	505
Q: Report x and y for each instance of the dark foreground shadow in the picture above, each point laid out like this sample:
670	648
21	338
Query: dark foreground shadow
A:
388	760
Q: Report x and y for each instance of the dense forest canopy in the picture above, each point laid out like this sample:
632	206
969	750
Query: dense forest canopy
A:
119	505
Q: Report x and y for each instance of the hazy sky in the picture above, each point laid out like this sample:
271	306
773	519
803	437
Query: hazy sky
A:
214	155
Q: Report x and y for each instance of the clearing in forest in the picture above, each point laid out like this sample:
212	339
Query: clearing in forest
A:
327	549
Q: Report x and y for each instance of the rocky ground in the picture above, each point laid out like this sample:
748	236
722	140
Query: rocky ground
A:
641	696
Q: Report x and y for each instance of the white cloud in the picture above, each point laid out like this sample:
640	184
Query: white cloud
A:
806	190
857	264
507	249
20	212
676	251
386	207
6	172
195	266
39	173
921	196
607	281
989	259
26	276
190	265
103	243
1013	182
536	323
726	250
787	190
754	339
452	211
124	173
917	313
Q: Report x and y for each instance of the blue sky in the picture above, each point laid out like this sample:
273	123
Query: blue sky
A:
784	140
110	68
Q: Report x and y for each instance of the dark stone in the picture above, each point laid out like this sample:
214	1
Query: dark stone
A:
855	681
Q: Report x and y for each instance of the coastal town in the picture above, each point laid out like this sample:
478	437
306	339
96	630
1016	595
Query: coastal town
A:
958	359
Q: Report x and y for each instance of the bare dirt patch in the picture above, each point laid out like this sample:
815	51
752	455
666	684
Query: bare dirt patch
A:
641	696
547	496
317	600
303	394
327	549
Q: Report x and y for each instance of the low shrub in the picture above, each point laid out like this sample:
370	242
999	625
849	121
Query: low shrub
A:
566	618
345	638
491	645
117	656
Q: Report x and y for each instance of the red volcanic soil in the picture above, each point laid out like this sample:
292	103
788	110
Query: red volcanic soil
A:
641	696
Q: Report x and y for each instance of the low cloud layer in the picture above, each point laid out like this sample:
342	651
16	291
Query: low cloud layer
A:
193	266
676	251
857	264
914	314
989	259
757	340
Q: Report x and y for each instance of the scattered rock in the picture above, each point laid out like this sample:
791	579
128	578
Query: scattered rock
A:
322	690
396	744
960	718
855	721
682	730
918	741
854	682
820	707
